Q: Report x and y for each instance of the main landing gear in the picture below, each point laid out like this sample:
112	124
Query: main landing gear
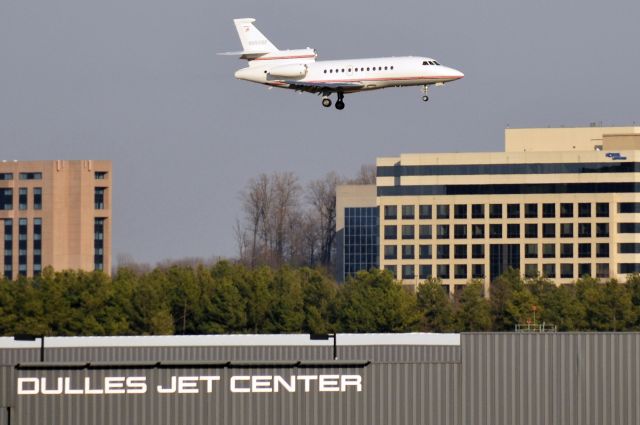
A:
425	89
326	101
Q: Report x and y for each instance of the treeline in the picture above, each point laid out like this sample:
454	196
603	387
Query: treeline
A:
234	298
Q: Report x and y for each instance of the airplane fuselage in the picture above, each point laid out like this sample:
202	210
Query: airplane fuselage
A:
368	74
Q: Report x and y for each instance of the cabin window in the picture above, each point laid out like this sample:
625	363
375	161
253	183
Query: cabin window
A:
385	68
349	69
331	71
325	71
342	69
391	66
368	69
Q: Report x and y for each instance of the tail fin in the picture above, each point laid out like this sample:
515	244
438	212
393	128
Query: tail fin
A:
253	41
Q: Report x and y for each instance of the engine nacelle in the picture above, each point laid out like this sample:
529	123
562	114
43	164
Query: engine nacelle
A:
296	70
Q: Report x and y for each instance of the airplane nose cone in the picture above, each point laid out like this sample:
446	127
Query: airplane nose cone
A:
456	74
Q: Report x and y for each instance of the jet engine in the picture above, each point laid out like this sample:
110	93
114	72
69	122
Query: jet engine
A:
289	71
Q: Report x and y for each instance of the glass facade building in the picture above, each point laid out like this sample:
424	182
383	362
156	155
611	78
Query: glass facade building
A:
361	240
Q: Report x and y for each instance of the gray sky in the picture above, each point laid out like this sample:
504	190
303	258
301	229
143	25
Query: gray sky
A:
138	82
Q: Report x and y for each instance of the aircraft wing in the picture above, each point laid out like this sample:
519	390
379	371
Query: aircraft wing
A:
317	87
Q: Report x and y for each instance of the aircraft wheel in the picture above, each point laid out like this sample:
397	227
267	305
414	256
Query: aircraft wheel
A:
425	98
326	102
340	105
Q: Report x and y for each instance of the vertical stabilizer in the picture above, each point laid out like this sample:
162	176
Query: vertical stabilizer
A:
251	38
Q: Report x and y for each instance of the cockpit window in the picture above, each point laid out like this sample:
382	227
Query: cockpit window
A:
436	62
425	63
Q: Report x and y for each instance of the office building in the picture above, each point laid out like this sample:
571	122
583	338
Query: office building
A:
561	202
55	213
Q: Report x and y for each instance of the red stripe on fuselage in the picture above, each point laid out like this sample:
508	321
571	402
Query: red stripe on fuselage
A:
352	80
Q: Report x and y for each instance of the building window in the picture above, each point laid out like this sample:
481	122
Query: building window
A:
531	230
584	209
460	251
390	232
602	250
22	246
408	212
30	176
100	175
530	270
602	209
584	230
531	210
98	197
408	231
442	231
443	211
566	210
390	212
6	199
425	271
628	268
22	198
98	243
442	252
513	211
477	271
549	230
392	270
361	239
531	250
8	248
584	269
566	271
584	250
6	176
477	251
566	230
408	252
602	230
460	231
477	211
513	230
408	271
37	246
628	227
495	231
548	250
37	198
425	252
390	252
425	212
549	210
495	211
629	207
477	231
629	248
566	250
425	231
602	270
460	271
442	271
549	270
459	211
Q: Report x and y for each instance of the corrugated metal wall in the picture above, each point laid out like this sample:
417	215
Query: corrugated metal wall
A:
581	379
401	393
490	379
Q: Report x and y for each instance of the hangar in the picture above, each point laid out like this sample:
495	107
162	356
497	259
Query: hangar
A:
469	378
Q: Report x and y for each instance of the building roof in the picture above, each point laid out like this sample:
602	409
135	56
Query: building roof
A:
235	340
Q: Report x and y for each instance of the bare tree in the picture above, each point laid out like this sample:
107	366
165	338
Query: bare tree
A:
256	200
366	175
322	196
286	199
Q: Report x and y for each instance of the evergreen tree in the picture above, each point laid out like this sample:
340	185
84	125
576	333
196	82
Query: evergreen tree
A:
435	307
473	312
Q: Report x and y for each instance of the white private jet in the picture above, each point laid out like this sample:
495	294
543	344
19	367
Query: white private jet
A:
298	69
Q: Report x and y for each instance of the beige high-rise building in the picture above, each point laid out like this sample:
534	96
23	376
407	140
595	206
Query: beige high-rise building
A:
55	213
562	202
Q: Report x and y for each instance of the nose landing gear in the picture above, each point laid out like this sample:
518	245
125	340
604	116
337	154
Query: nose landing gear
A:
425	89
